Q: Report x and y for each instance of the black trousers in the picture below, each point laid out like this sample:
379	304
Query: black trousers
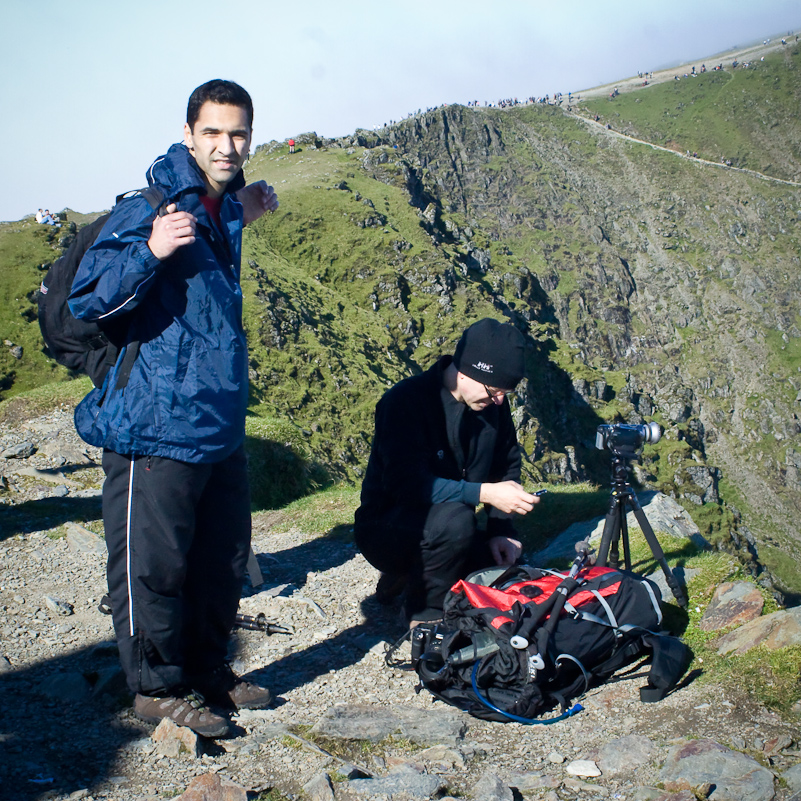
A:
435	547
178	539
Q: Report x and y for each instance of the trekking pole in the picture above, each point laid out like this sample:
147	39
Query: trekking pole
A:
260	623
552	606
563	591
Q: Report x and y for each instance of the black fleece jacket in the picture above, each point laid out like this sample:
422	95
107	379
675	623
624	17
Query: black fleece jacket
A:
428	448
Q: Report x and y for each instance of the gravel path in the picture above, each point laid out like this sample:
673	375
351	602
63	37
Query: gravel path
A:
66	731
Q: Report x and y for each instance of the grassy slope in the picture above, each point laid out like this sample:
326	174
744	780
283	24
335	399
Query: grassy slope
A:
24	248
750	117
329	297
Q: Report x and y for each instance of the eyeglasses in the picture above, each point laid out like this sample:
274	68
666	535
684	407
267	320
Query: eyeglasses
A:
493	393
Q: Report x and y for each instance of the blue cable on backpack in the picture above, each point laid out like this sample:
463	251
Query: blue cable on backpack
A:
575	709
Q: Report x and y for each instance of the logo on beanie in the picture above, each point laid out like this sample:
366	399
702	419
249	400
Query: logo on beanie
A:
483	366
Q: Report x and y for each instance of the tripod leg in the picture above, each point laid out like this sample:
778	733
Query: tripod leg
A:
610	534
624	537
659	554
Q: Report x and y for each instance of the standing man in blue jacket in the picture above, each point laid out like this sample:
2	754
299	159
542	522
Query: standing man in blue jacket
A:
171	415
444	444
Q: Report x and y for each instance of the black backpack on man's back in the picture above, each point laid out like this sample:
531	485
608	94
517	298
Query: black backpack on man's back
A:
82	345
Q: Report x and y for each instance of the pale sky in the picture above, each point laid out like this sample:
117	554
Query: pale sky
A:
94	91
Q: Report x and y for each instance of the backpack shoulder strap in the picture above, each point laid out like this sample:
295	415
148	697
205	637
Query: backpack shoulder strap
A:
155	197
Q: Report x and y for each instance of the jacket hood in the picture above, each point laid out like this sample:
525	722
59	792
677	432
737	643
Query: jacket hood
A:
179	171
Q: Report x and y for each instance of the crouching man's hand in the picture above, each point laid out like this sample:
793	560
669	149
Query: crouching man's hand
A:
508	497
505	551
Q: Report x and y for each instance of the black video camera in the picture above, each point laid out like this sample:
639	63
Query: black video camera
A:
426	639
624	439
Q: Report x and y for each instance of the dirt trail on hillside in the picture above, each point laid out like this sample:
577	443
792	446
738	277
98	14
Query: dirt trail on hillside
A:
688	156
632	84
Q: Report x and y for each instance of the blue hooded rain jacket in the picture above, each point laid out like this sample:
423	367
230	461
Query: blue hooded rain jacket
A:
186	397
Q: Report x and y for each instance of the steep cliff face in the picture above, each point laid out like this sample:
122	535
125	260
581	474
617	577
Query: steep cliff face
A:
670	287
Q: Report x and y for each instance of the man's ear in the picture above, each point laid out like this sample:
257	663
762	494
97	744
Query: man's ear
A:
188	137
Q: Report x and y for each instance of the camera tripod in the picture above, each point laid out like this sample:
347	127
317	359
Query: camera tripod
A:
616	526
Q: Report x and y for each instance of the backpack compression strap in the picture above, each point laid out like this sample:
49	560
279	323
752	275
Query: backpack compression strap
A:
671	657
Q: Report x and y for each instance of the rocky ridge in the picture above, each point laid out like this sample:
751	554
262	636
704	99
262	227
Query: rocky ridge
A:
345	726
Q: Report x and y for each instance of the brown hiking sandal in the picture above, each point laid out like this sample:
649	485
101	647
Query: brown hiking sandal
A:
189	711
224	688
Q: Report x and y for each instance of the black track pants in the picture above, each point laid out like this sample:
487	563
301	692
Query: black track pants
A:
178	538
435	549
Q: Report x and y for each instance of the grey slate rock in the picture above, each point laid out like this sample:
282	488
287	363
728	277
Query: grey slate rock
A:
58	606
69	687
734	776
319	788
364	722
404	781
776	630
583	767
681	574
793	778
623	755
175	741
647	794
490	788
111	682
777	744
441	759
664	514
72	454
733	603
81	540
21	450
578	786
526	782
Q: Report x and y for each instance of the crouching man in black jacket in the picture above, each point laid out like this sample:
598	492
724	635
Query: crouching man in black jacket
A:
444	443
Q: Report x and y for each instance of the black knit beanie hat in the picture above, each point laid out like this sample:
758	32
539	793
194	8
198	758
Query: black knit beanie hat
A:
492	353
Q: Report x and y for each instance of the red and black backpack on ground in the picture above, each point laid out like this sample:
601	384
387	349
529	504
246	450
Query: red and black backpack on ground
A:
515	643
